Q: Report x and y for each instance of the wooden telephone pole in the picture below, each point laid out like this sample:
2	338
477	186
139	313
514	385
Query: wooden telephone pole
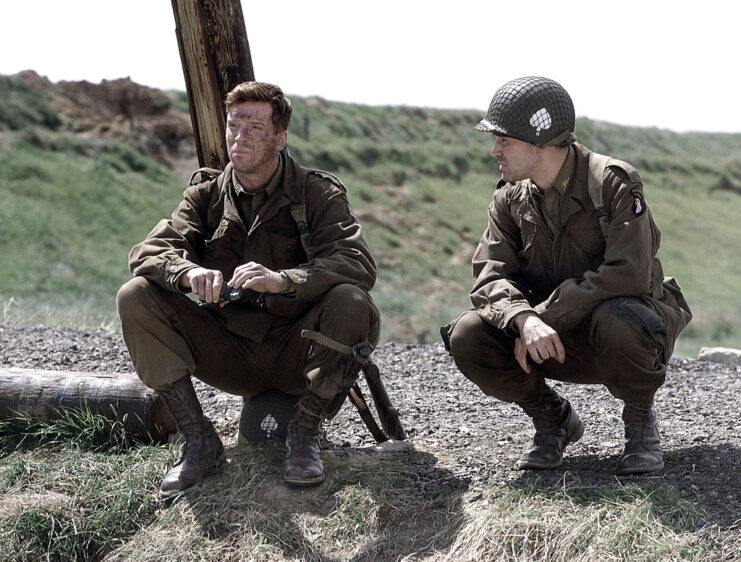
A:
216	57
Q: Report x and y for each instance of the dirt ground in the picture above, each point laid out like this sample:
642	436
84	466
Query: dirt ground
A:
477	439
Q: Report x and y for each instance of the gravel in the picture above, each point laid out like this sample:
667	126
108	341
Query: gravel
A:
475	437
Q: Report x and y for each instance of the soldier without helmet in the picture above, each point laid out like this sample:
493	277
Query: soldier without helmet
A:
284	235
567	285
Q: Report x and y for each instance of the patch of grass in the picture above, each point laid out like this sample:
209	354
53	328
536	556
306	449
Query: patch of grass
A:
354	517
69	427
576	522
65	240
73	489
61	502
82	312
22	106
72	505
372	507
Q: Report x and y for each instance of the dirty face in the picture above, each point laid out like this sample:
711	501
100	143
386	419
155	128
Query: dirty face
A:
251	140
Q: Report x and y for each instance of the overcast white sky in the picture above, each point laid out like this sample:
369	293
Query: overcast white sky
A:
669	64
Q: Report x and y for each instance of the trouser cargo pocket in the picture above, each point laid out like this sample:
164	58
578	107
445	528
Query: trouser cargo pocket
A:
641	318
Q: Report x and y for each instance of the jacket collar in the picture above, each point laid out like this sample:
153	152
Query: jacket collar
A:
289	190
576	198
577	194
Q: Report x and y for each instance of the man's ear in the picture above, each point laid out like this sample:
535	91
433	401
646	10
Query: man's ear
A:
282	140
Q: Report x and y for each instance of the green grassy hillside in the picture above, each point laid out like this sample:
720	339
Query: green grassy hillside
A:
419	179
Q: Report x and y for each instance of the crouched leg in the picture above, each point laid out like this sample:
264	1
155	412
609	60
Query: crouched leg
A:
164	358
485	355
341	329
631	340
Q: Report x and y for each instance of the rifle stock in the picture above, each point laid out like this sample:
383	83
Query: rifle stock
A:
388	415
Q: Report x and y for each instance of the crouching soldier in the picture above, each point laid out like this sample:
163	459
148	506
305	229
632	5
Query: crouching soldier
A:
567	284
292	258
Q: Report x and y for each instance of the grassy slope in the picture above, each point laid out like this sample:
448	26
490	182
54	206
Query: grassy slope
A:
419	179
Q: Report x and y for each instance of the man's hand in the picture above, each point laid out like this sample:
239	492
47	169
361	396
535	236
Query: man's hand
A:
206	283
538	340
259	278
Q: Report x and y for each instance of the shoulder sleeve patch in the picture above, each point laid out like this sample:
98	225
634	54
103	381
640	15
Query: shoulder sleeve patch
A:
639	205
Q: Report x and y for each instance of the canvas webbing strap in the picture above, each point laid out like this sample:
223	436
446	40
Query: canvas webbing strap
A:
597	165
360	352
298	212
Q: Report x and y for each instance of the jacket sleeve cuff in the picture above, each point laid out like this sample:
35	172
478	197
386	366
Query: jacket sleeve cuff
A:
297	279
503	319
174	270
509	327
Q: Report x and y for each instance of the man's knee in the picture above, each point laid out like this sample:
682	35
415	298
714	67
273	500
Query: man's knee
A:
347	296
475	344
628	336
131	296
464	335
348	307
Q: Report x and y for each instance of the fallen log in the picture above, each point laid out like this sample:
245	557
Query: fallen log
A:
41	394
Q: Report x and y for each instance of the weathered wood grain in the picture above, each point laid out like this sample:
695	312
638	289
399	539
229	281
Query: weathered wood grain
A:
215	54
41	394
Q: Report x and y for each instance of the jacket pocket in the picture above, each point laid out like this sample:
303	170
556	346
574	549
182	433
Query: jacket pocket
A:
223	251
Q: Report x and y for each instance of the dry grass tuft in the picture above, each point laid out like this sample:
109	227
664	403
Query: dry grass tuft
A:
375	505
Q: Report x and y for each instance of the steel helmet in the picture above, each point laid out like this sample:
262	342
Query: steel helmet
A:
533	109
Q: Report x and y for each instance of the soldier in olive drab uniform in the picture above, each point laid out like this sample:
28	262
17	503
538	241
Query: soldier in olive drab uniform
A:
567	284
242	226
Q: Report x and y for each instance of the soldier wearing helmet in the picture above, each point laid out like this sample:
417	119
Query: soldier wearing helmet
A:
566	281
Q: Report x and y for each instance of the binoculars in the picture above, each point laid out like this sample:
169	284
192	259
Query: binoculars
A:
230	293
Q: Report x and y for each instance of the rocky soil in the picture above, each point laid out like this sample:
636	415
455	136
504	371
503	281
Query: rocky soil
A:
475	438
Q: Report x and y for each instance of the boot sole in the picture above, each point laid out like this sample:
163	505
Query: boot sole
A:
640	470
573	438
305	482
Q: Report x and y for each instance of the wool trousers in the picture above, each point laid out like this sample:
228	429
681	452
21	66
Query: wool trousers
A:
170	336
619	346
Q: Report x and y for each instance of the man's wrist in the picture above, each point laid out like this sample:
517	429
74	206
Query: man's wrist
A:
520	319
287	284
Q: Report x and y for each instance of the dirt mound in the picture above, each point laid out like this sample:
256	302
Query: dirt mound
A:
123	111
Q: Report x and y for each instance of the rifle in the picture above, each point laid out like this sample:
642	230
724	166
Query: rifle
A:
361	352
389	416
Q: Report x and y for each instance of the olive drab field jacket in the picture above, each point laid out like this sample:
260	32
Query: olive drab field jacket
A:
206	230
520	265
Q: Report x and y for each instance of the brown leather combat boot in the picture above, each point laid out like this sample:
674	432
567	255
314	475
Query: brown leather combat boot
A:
642	442
303	465
201	449
556	425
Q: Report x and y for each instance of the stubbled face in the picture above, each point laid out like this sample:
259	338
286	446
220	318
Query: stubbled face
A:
517	159
251	140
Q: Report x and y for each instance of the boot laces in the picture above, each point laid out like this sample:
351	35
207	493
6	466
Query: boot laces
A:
638	418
